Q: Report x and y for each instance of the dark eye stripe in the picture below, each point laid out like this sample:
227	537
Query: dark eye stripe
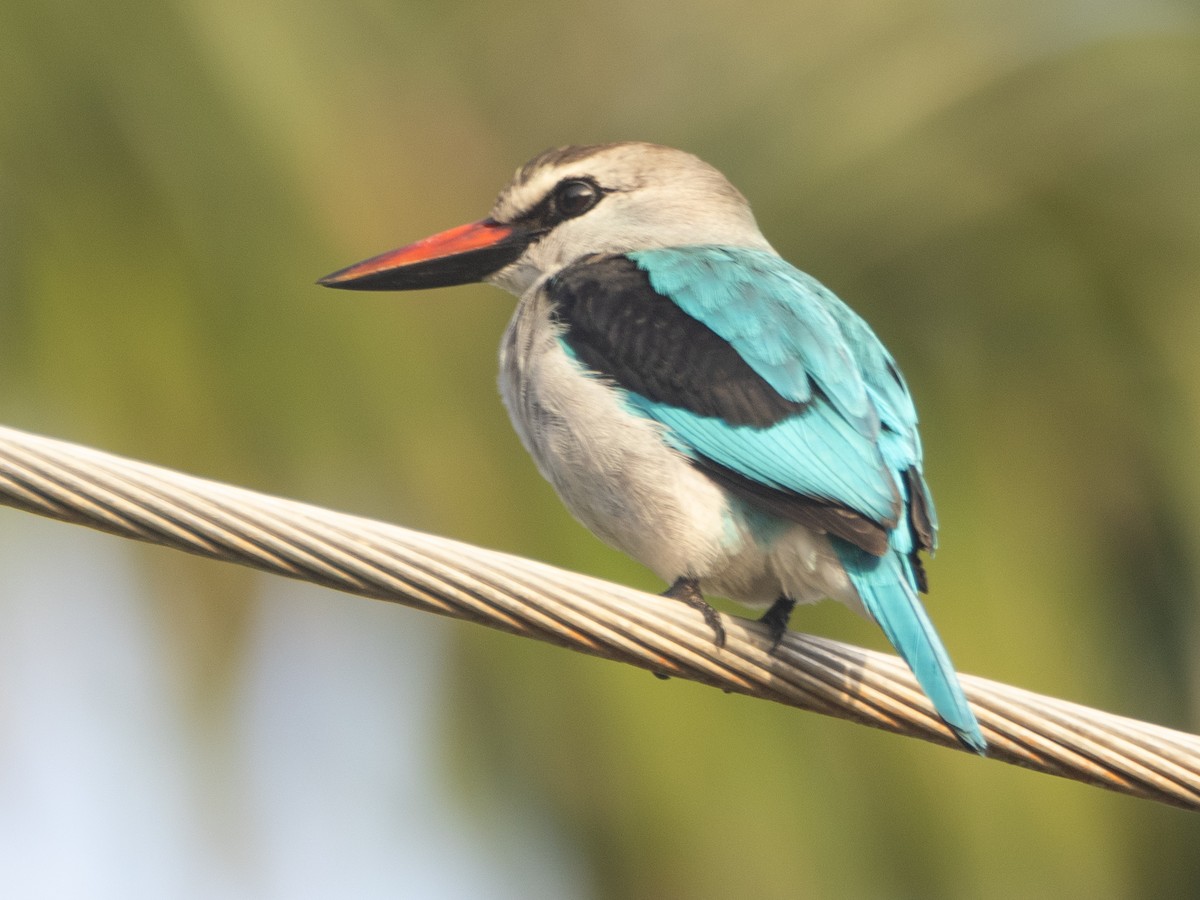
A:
563	202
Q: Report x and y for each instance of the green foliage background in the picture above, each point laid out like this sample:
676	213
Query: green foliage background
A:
1008	191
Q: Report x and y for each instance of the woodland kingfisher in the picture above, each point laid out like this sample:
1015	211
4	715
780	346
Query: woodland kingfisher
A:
697	401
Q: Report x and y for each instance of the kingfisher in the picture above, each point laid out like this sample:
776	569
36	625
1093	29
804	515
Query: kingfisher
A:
696	401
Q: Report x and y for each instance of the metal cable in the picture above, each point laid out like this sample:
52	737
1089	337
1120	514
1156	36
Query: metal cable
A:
78	484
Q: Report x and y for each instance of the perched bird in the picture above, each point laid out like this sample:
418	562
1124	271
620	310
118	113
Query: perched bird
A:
696	401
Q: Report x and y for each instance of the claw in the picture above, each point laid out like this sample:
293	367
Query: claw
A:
688	590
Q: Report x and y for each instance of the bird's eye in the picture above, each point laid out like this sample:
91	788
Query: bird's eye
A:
575	197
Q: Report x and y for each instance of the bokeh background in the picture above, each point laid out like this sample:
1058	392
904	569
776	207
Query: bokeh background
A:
1008	190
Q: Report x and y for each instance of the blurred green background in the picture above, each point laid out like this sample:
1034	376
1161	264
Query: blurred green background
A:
1008	191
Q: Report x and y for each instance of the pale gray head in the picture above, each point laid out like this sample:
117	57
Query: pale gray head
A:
566	204
615	198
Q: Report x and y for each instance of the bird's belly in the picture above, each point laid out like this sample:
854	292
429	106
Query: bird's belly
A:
619	477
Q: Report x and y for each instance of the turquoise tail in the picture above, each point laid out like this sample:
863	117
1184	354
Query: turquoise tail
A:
888	590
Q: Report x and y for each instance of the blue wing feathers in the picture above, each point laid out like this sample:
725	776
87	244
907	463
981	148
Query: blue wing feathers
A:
810	347
821	457
787	327
776	317
855	441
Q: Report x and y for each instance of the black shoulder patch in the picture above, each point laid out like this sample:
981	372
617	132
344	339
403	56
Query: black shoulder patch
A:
620	327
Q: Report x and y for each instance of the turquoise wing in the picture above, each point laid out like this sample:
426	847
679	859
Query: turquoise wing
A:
854	440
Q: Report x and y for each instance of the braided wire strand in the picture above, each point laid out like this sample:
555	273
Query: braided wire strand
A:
149	503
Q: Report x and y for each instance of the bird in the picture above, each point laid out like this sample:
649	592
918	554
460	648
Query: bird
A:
696	401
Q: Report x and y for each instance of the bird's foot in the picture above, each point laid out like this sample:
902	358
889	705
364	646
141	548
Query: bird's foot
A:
776	619
688	590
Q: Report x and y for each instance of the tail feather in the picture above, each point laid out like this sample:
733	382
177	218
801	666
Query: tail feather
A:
888	591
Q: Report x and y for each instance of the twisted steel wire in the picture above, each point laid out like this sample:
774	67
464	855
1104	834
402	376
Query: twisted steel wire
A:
137	500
